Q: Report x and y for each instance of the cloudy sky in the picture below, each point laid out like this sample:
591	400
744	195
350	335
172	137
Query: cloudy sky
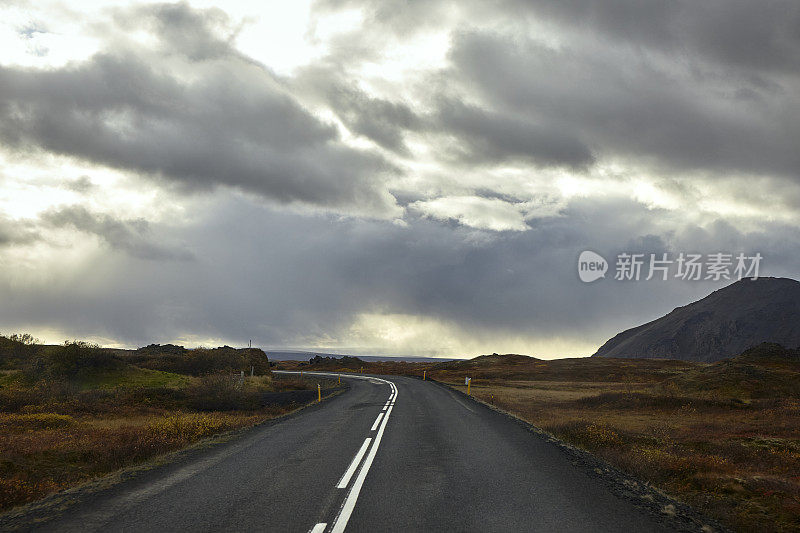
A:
392	177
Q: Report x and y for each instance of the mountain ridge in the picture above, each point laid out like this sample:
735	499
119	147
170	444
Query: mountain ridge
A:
721	325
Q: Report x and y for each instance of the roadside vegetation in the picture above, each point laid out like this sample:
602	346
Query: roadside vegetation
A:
722	437
74	412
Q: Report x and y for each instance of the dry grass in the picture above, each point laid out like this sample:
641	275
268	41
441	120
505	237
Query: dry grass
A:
45	452
736	460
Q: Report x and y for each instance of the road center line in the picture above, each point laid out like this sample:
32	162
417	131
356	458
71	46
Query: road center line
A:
350	501
377	421
353	465
352	496
319	528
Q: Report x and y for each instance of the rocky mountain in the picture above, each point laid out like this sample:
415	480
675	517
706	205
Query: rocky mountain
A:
721	325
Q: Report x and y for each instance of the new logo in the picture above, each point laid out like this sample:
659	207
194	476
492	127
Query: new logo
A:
591	266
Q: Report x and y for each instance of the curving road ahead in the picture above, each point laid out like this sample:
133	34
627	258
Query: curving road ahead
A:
391	454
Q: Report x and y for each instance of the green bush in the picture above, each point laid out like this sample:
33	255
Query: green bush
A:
222	392
77	359
202	361
17	349
17	397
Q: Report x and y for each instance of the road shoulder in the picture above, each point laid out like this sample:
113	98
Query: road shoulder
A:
672	513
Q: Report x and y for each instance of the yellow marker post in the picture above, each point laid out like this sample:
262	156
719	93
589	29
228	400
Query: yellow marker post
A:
469	384
340	379
319	393
423	374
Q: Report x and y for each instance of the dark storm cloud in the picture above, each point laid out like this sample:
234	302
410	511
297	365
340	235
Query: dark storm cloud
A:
469	134
737	33
16	232
233	124
378	119
761	35
677	86
494	137
624	105
131	236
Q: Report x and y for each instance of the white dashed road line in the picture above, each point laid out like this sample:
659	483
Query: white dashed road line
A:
352	496
377	421
353	465
349	503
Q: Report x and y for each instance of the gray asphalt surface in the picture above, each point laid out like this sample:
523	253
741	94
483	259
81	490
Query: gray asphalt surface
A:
443	463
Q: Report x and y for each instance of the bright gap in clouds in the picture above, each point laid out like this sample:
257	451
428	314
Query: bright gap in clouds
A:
401	334
274	32
43	35
482	213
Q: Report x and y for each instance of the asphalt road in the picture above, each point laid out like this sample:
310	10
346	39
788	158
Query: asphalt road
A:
435	461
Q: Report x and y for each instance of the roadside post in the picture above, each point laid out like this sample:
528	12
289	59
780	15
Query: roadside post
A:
319	393
340	379
468	383
423	374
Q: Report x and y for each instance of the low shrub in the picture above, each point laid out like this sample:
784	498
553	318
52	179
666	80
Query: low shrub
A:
285	384
589	434
36	421
17	397
162	397
222	392
16	490
187	427
74	360
17	349
642	400
203	361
